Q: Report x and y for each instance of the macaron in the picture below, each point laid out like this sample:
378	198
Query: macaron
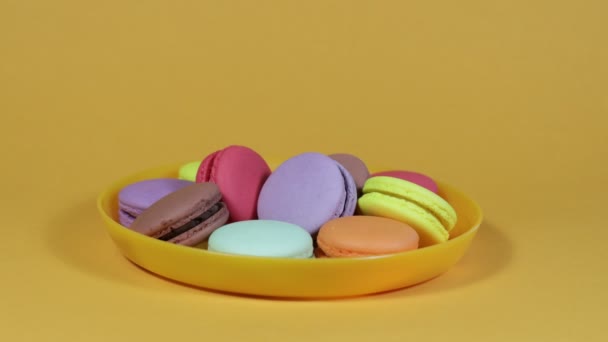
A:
239	172
186	217
355	166
189	170
308	190
318	253
410	176
265	238
137	197
430	215
360	236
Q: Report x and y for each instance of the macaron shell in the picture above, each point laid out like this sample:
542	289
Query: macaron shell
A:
355	166
306	190
350	202
414	193
414	177
240	173
262	238
125	217
137	197
366	236
319	254
428	227
204	170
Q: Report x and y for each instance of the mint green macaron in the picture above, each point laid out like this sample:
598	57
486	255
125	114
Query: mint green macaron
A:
265	238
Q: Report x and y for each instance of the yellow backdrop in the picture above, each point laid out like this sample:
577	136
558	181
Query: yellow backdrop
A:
507	100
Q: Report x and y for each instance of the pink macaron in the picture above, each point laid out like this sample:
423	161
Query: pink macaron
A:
414	177
239	172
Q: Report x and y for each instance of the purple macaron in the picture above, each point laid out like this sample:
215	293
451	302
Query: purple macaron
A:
308	190
137	197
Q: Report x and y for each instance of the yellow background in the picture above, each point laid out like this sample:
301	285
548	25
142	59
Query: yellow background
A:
507	100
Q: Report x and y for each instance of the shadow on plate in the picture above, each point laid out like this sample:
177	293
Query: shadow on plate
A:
491	251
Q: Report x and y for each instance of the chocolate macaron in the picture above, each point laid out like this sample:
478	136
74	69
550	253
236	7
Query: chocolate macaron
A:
137	197
187	216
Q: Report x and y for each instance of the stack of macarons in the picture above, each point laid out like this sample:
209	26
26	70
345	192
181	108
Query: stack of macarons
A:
311	205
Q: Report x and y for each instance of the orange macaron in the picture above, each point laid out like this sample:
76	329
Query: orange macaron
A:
358	236
318	253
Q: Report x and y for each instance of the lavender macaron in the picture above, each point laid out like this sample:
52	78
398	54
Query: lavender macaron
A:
308	190
137	197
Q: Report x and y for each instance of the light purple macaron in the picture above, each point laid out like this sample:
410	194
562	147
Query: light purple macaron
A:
137	197
308	190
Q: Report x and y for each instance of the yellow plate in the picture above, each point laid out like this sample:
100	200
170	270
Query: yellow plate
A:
299	278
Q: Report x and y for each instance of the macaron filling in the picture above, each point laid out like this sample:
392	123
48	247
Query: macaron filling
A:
196	221
128	214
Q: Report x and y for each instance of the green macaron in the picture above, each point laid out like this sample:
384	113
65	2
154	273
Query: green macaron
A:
428	213
265	238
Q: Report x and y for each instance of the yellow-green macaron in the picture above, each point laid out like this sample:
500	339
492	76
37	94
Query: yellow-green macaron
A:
188	171
430	215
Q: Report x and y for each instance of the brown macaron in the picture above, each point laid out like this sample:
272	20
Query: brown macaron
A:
355	166
186	217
